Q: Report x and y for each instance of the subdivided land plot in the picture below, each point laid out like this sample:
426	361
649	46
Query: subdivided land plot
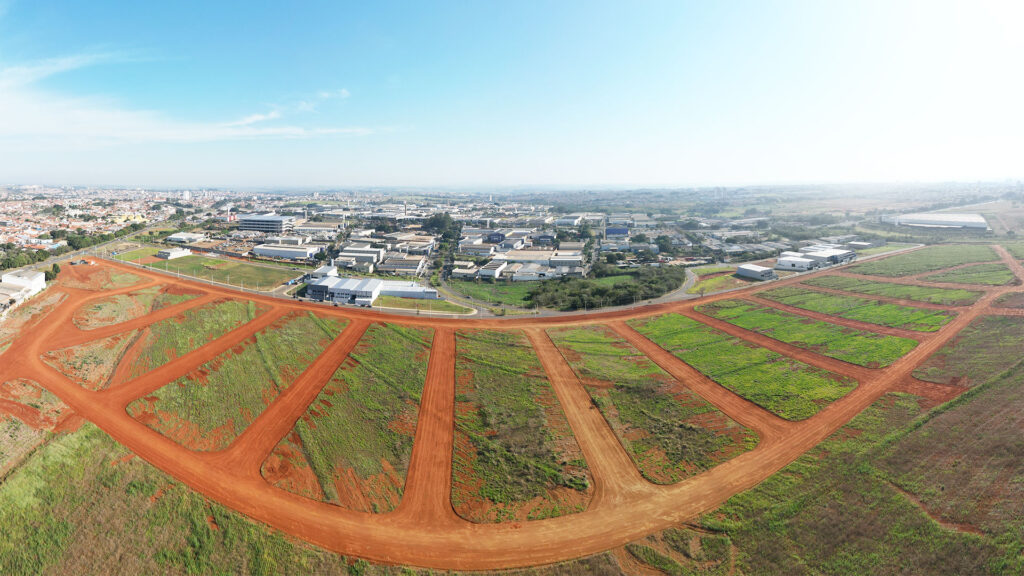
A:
515	455
353	445
670	432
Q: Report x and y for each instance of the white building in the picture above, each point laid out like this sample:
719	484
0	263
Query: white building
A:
18	286
305	252
363	291
172	253
493	269
943	220
755	272
185	238
795	263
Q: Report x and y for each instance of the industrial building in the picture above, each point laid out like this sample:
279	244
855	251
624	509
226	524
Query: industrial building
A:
943	220
18	286
185	238
269	223
493	269
795	263
404	266
755	272
172	253
363	291
831	256
286	252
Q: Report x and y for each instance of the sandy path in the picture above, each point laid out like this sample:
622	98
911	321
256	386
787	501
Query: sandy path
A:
424	531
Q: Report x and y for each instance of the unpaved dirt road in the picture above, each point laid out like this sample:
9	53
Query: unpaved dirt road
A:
424	530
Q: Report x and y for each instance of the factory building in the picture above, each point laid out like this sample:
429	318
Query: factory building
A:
795	263
943	220
185	238
755	272
363	291
18	286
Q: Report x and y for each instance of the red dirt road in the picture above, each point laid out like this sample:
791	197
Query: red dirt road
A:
424	530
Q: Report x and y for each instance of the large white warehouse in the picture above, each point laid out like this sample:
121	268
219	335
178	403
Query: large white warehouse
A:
943	220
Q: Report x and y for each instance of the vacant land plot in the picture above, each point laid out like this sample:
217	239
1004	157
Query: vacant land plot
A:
17	440
81	504
228	271
123	307
137	254
926	260
684	551
789	388
833	512
862	309
508	293
1011	300
994	274
989	345
1016	249
95	278
930	294
890	247
420	304
964	463
515	455
853	346
716	280
32	404
25	316
92	365
210	407
353	444
174	337
669	432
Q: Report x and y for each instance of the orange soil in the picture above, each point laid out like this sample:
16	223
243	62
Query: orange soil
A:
424	530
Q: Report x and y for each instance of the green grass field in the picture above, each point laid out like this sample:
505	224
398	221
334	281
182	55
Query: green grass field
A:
194	328
420	304
670	432
228	271
853	346
515	455
988	345
210	407
862	309
507	293
1010	300
929	294
362	422
926	260
835	511
789	388
994	274
890	247
137	254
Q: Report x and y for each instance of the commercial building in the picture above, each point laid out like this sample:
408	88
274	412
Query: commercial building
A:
172	253
185	238
795	263
363	291
269	223
493	269
285	252
832	256
404	266
323	272
755	272
943	220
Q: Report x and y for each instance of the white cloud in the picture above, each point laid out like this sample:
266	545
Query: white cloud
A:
32	116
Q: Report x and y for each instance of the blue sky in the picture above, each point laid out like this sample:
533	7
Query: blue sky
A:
481	93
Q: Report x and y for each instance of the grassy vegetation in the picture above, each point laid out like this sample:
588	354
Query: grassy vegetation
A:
963	462
174	337
123	307
137	254
862	309
930	294
362	422
1016	249
669	432
515	455
890	247
789	388
926	260
994	274
834	512
77	506
725	281
228	271
91	365
209	408
1011	300
420	304
507	293
17	440
853	346
988	345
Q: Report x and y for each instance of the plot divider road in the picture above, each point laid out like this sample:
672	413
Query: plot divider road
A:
765	424
428	485
256	442
613	471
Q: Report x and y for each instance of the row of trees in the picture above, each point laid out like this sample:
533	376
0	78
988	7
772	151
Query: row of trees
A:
16	257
